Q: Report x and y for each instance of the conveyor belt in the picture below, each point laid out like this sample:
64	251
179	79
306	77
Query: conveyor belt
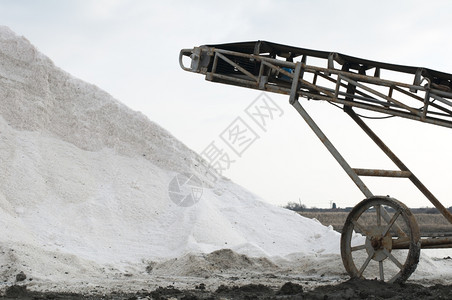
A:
341	79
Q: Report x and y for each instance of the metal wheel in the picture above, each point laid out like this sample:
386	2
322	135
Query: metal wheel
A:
380	239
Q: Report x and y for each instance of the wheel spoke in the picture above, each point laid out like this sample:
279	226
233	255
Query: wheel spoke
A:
382	274
385	215
378	210
360	247
360	227
391	222
393	279
392	257
366	263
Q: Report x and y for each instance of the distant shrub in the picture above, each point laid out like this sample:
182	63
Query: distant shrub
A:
295	206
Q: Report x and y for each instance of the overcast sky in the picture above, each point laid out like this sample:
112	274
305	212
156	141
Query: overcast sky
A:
130	49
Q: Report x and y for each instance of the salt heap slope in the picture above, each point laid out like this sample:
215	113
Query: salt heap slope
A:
84	183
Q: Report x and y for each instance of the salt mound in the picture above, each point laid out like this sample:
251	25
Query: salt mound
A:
39	97
217	262
84	185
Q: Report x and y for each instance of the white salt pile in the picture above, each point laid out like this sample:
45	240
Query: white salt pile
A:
84	185
84	193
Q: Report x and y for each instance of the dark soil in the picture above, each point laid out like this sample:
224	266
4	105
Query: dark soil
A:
351	289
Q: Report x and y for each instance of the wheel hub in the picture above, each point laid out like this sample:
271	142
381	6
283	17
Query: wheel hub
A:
378	245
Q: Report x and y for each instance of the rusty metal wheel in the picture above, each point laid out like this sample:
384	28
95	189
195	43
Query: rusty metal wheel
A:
380	239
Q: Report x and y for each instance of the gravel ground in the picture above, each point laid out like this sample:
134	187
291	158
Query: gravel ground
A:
351	289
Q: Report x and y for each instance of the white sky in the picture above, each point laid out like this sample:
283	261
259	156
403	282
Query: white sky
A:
130	49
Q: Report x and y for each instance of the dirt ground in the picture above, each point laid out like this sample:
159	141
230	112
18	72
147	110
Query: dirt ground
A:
224	274
351	289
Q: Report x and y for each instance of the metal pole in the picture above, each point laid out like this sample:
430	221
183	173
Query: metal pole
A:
332	150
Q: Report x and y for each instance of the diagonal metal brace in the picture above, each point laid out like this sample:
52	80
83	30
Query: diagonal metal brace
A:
364	189
295	83
422	188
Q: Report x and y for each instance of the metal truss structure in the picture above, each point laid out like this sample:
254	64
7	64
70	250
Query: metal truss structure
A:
351	83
